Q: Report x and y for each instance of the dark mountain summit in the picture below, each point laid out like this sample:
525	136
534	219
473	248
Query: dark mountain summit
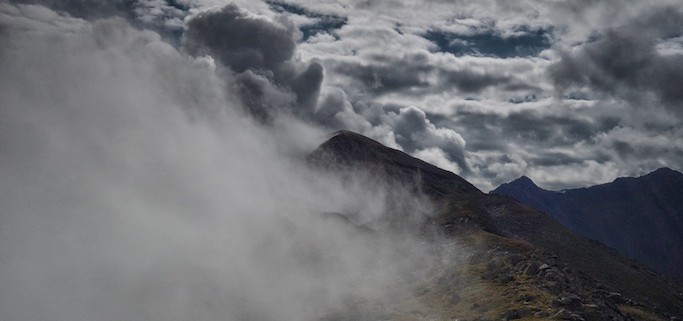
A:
640	217
347	148
524	264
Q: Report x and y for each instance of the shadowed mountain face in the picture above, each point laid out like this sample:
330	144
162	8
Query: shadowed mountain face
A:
524	263
640	217
349	149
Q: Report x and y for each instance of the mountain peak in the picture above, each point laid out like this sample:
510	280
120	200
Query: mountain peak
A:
350	149
349	136
665	171
524	181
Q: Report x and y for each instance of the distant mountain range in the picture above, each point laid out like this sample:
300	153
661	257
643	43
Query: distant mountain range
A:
524	264
640	217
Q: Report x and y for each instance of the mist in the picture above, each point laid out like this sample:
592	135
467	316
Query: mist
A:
136	186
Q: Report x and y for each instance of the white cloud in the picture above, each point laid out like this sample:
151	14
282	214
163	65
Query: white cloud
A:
136	188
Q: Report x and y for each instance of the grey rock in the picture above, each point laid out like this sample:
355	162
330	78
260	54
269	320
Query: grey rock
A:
568	300
532	268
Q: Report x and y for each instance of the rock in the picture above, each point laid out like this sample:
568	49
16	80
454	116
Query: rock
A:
568	300
532	268
528	298
544	267
541	314
512	315
553	287
550	276
565	314
517	314
515	258
616	297
506	278
562	315
594	315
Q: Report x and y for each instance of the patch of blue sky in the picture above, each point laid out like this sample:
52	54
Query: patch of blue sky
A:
491	44
324	22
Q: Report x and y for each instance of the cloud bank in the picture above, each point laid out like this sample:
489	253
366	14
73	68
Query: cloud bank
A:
137	186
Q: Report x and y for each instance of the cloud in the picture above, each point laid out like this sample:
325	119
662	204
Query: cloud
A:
528	85
261	51
448	59
624	62
271	80
87	9
238	40
310	23
413	131
138	189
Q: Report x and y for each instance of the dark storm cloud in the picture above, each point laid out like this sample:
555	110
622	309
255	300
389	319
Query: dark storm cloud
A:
624	61
239	40
261	52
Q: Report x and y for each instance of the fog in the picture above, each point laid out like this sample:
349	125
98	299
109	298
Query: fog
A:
136	187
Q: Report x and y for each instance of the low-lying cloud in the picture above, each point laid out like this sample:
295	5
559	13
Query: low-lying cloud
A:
135	187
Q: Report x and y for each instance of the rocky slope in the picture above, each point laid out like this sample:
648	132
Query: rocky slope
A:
523	263
640	217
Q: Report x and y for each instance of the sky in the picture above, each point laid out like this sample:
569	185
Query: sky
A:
568	93
151	150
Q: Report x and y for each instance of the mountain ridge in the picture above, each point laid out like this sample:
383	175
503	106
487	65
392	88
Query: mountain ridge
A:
642	217
511	241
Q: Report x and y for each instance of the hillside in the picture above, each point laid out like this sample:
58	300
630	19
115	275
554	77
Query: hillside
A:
523	263
640	217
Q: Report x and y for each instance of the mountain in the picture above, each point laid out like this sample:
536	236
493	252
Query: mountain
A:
640	217
347	148
523	263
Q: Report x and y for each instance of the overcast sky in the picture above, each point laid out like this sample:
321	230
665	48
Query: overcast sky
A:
569	93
